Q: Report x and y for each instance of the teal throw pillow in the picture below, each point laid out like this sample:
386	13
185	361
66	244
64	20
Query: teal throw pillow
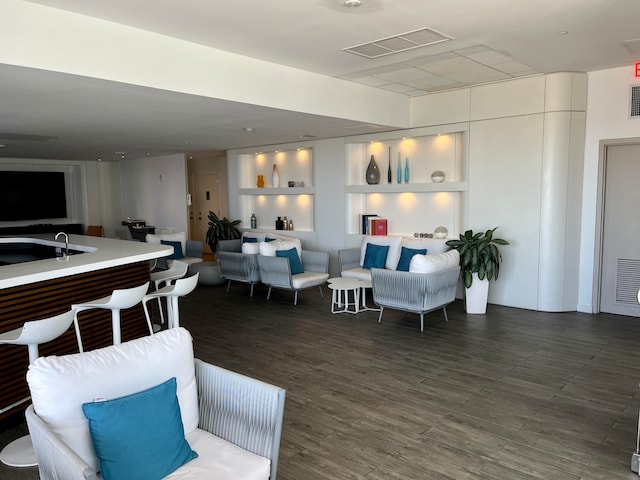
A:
375	256
249	240
139	436
177	249
268	239
294	260
406	255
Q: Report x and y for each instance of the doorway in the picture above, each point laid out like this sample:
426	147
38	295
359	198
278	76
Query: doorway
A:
619	228
205	198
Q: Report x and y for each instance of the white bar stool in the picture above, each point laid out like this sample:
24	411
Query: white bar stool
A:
118	300
20	453
182	287
159	279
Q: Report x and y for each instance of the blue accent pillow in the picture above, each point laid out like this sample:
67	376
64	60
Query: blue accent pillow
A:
140	435
177	249
249	240
406	255
294	260
375	256
267	239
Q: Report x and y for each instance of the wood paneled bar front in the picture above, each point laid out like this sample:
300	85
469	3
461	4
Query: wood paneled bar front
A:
30	290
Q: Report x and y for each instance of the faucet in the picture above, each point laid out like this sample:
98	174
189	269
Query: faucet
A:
66	243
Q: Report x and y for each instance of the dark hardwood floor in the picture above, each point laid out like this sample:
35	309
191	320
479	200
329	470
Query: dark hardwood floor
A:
513	394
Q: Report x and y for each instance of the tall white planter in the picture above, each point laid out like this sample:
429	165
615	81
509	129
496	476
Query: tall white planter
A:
476	295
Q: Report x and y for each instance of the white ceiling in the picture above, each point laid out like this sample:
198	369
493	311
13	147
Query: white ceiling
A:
54	115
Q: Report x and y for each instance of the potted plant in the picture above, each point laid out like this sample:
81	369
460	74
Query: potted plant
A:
221	229
479	262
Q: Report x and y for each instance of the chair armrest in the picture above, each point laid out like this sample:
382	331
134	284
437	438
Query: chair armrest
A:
230	246
313	261
275	271
349	258
55	458
414	291
242	410
195	248
240	267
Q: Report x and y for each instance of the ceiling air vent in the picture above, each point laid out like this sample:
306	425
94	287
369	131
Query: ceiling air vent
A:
398	43
634	101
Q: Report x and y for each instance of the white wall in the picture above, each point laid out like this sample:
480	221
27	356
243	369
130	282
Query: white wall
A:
607	118
154	189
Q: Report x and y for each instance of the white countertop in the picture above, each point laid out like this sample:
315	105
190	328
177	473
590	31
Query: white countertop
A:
101	253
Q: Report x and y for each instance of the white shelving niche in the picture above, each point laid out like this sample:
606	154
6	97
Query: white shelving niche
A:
417	206
268	203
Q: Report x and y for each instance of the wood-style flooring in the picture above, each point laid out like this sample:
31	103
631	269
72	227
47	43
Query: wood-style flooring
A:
513	394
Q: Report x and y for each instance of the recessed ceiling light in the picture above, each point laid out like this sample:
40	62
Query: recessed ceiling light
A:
248	129
563	32
352	3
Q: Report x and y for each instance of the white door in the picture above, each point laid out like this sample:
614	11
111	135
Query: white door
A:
620	278
206	196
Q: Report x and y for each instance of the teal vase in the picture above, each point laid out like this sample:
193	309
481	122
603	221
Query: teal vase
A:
406	170
399	172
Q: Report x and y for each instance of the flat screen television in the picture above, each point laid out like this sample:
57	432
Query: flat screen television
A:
32	195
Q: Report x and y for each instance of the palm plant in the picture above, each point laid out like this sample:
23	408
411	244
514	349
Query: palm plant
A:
479	254
221	229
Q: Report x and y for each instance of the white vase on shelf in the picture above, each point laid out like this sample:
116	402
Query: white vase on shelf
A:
275	177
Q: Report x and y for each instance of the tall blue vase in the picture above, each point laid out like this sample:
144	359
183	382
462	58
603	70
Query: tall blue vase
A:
399	172
406	170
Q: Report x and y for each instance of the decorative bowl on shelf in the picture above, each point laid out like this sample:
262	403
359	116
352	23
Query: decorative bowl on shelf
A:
440	232
437	176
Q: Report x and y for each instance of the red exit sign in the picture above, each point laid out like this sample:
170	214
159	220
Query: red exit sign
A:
638	69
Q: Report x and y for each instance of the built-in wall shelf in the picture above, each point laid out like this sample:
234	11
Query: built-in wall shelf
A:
408	187
277	191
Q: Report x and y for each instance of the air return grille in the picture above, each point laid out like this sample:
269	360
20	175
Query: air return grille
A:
634	101
398	43
627	281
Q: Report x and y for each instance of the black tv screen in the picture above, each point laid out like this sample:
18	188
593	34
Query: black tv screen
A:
32	195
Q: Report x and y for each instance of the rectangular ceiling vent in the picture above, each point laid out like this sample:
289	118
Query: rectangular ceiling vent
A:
398	43
634	101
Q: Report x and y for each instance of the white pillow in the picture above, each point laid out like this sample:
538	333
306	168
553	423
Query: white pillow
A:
395	248
434	263
251	247
60	385
433	245
169	237
268	249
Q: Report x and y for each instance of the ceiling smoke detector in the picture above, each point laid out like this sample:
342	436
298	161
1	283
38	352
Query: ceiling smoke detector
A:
352	3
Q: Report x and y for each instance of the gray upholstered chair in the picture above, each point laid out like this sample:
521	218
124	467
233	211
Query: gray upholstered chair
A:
418	293
236	266
275	272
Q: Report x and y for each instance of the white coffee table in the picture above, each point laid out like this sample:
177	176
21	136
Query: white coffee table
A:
340	286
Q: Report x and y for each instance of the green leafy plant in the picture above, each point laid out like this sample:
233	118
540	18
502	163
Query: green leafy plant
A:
479	254
221	229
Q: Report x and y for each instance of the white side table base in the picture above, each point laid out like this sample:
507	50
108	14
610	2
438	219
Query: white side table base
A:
345	286
19	453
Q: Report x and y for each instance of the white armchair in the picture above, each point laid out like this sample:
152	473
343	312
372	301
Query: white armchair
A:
233	422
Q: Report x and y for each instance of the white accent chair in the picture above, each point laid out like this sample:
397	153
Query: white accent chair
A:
232	421
20	452
172	292
120	299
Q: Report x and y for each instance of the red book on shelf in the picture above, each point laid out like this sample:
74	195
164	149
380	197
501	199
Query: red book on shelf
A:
378	226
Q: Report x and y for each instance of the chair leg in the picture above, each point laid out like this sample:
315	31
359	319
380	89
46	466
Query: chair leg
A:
380	316
446	317
321	292
228	285
295	297
422	322
115	326
146	314
251	292
160	308
78	337
175	313
269	293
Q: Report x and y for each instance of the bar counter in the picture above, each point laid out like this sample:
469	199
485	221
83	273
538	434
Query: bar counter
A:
43	288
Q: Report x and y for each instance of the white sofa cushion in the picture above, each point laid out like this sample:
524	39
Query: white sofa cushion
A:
308	279
171	237
60	385
433	245
359	273
268	249
251	248
434	263
220	459
395	247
